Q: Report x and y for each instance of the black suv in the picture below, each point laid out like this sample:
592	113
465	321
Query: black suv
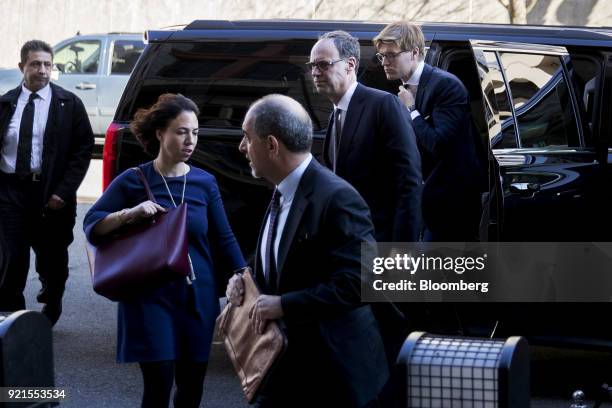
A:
541	101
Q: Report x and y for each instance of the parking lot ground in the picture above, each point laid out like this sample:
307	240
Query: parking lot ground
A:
91	188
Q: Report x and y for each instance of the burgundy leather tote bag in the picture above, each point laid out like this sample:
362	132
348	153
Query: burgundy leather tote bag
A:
141	257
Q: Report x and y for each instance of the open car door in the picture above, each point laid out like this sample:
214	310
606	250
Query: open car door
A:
544	179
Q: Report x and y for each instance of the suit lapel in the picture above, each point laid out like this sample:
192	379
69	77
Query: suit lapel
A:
423	82
55	115
257	264
299	204
351	122
51	120
326	142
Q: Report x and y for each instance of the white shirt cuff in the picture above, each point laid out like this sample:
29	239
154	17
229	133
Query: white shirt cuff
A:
414	114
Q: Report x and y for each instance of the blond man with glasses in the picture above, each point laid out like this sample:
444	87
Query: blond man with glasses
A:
439	106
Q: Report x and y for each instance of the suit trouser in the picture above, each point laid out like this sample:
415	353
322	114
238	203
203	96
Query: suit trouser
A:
458	224
25	224
304	377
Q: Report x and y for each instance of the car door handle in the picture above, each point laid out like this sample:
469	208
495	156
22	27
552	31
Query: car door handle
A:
525	188
86	85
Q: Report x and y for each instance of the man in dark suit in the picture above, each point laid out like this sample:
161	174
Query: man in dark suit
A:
308	265
370	142
439	106
45	149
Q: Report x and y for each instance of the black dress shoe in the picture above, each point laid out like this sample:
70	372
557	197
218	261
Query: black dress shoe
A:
52	310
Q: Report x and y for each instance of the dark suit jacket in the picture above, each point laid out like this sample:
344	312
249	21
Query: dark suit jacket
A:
378	156
329	330
453	176
67	144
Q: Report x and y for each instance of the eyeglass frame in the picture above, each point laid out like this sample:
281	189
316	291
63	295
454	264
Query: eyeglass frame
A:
311	65
381	57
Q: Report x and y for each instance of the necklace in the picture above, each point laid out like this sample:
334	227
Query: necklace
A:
191	276
156	166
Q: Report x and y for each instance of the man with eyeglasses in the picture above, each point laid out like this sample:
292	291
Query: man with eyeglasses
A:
369	140
439	106
370	143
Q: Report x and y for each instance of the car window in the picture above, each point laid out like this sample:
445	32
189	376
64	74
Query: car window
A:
498	111
125	55
224	78
586	73
541	100
79	57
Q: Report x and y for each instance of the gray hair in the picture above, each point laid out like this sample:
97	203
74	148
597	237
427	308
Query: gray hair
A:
346	44
286	119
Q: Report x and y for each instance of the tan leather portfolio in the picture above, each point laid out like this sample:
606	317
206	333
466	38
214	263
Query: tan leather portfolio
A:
252	354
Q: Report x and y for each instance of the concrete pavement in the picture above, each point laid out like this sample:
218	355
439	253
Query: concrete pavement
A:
91	187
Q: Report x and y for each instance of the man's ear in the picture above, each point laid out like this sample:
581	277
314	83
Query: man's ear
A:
352	64
158	133
21	66
273	144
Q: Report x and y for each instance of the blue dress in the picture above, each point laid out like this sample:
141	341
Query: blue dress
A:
175	322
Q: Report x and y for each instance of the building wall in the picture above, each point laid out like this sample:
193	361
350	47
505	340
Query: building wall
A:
55	20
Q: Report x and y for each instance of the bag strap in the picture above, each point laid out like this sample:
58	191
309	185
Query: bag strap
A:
146	184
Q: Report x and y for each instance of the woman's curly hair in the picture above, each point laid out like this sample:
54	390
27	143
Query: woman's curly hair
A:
147	122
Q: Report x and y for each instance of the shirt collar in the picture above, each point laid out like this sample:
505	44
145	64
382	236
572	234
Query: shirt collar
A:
346	98
416	75
43	93
289	185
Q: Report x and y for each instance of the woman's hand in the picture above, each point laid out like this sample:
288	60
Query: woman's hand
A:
117	219
142	211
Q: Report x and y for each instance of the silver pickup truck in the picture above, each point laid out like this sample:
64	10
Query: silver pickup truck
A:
95	67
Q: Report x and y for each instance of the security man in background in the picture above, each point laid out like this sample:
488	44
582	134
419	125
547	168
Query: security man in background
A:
46	142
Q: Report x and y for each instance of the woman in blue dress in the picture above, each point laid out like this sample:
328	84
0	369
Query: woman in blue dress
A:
169	332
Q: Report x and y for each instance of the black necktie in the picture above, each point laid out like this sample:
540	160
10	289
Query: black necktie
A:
270	261
24	147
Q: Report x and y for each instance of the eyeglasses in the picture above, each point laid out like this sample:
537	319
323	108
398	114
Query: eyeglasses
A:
322	65
390	56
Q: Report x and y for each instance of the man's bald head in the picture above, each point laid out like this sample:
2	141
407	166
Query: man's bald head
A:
283	117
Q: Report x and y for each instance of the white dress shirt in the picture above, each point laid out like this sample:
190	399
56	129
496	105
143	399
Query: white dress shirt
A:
344	104
414	80
287	188
8	154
